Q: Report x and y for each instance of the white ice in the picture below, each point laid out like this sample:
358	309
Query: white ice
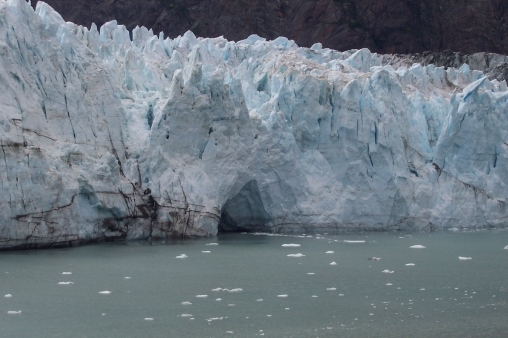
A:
296	255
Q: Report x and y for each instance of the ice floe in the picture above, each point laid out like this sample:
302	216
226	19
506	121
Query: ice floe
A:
333	263
296	255
8	295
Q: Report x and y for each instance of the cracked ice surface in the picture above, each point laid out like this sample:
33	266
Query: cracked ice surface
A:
107	137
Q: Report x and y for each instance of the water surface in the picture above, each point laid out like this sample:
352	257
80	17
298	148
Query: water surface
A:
440	295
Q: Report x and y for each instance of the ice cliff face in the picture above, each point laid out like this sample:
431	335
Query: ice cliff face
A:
104	137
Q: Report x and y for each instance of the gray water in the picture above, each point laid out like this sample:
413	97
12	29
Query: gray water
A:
440	296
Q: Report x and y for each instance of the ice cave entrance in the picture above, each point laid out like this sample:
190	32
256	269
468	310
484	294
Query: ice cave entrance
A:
244	212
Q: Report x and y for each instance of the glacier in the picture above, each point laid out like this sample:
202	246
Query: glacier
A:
108	134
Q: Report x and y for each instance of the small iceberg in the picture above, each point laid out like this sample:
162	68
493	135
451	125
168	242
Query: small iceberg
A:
333	263
104	292
14	312
8	295
465	258
182	256
296	255
291	245
418	246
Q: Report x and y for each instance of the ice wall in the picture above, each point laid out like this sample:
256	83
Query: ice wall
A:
106	137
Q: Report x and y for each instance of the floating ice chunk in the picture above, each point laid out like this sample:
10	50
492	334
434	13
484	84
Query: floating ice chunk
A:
333	263
66	273
186	315
65	283
206	251
215	318
330	252
219	299
234	290
212	244
418	246
182	256
127	277
186	303
282	296
331	289
387	271
291	245
410	264
14	312
148	319
8	295
347	241
201	296
296	255
465	258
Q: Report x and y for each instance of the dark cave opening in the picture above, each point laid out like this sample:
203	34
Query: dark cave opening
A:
244	212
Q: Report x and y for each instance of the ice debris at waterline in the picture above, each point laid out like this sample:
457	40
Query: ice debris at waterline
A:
108	137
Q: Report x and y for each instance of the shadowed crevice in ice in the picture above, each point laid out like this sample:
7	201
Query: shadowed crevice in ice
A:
245	211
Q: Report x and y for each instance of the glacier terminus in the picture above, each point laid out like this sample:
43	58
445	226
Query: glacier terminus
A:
109	134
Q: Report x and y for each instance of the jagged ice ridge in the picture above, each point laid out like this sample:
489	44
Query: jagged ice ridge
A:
108	137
